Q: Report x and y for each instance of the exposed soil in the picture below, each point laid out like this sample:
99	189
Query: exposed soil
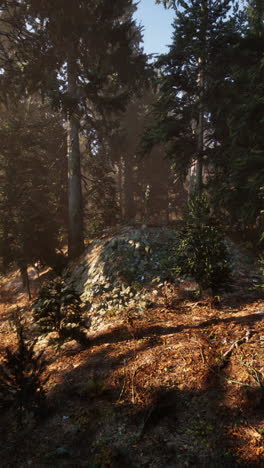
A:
181	385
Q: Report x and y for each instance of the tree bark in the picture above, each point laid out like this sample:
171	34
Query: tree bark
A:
200	132
120	187
75	203
129	202
25	279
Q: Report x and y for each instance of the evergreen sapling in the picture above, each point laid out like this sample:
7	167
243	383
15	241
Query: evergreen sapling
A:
201	251
21	386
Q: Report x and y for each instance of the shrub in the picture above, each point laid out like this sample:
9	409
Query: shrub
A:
58	308
20	377
201	251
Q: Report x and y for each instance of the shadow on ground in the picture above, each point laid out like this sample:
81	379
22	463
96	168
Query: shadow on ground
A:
106	412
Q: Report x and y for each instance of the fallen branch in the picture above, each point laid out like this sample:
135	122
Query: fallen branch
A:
228	353
124	384
132	387
243	384
228	380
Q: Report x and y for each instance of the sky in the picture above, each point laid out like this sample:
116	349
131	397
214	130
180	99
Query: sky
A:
156	22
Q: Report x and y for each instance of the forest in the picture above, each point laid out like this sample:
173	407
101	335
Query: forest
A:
131	236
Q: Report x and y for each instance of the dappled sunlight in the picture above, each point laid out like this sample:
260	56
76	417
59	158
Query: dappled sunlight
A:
131	234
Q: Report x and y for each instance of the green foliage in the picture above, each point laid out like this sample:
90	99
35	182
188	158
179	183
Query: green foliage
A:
58	308
236	106
167	3
21	386
201	251
201	36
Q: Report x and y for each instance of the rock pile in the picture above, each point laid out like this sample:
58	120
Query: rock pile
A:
118	271
127	269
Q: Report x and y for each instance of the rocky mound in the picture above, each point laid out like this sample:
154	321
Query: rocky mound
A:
126	269
118	271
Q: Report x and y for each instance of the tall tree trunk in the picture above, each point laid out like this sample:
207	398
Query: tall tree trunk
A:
75	203
6	254
201	84
200	132
129	203
120	187
167	201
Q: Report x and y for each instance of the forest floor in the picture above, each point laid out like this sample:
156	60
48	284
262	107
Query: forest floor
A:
180	386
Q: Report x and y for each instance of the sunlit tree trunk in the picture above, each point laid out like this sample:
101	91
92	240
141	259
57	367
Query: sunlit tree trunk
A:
75	204
25	278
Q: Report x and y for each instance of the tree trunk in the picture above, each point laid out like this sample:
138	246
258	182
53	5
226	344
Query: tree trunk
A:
200	132
75	204
120	187
6	254
200	129
25	279
129	203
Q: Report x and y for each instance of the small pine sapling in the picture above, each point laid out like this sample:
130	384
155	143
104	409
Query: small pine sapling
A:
21	386
58	308
201	251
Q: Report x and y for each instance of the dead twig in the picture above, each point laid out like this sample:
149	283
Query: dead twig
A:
124	384
254	373
243	384
202	355
228	353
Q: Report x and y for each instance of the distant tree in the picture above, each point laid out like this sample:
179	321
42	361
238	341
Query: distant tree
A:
33	183
144	184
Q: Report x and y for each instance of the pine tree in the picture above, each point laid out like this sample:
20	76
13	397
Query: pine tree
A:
78	53
237	115
58	308
146	184
183	120
21	382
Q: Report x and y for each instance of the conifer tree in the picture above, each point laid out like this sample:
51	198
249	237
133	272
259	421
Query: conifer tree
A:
183	123
237	116
78	53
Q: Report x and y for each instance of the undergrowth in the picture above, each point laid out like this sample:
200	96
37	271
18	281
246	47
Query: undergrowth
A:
58	308
21	386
